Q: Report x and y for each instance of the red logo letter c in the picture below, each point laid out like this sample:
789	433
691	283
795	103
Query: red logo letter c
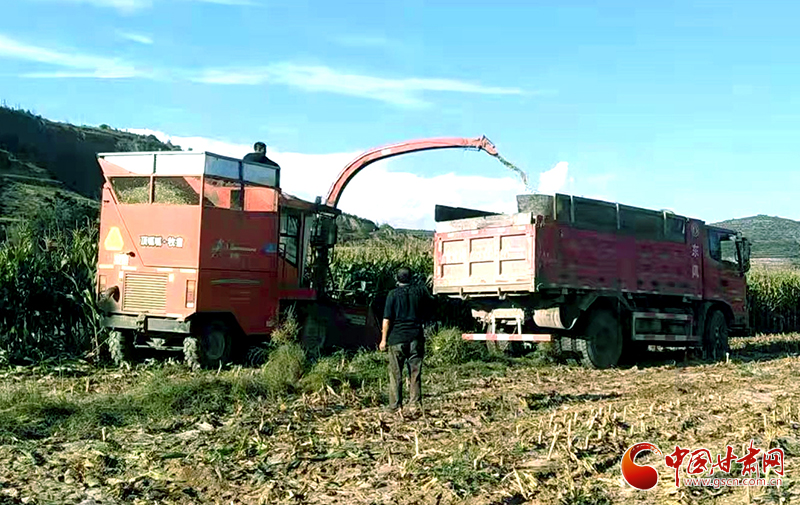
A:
640	477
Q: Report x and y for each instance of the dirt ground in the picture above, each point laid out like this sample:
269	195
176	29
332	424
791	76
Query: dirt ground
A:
492	434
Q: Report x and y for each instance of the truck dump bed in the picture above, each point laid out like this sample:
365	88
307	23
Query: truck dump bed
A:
569	242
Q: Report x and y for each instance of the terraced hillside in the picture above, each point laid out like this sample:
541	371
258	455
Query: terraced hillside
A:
773	238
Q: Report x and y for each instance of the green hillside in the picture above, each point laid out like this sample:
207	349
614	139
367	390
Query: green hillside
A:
44	163
47	163
772	237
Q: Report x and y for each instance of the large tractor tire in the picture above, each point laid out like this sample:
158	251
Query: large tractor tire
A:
715	338
120	347
211	348
601	344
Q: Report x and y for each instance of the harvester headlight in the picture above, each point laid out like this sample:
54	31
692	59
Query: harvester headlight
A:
109	293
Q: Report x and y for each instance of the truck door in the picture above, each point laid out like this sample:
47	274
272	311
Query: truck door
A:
724	274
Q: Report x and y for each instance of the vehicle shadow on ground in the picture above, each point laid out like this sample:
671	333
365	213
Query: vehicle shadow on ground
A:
743	350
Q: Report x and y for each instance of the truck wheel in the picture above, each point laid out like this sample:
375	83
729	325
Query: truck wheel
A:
120	346
211	348
564	349
601	345
715	341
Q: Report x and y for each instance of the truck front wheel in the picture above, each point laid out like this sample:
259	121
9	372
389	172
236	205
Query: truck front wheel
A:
715	340
601	344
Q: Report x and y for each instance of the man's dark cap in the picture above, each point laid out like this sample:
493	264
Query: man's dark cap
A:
259	144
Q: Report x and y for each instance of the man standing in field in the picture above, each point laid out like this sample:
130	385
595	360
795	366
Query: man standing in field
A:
405	310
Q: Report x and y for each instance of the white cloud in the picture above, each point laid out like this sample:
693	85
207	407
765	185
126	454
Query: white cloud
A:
228	2
139	38
80	65
402	199
124	6
131	6
554	180
397	91
404	92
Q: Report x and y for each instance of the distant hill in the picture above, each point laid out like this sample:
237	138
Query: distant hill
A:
47	162
43	161
353	229
772	237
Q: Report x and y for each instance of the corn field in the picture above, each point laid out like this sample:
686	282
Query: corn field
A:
47	302
47	272
363	272
774	300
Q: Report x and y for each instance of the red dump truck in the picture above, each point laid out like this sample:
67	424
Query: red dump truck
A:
600	281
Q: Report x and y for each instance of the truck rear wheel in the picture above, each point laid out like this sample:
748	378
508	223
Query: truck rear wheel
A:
601	345
565	350
715	339
211	348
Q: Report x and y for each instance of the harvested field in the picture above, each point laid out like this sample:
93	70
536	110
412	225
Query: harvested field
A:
494	433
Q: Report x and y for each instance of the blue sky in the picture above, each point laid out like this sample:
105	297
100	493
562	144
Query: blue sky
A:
691	106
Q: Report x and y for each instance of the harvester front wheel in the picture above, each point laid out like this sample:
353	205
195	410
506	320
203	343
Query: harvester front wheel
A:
211	348
120	346
601	345
313	335
715	341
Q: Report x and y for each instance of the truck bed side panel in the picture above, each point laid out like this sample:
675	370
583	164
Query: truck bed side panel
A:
585	259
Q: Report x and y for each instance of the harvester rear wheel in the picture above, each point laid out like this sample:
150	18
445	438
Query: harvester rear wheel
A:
120	346
601	345
715	339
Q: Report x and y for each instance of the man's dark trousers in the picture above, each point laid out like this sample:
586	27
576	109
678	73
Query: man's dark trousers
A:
410	354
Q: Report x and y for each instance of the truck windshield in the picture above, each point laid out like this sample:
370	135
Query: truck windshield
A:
175	190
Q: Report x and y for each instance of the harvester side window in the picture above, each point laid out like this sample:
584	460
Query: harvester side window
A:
290	237
176	190
131	190
222	193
